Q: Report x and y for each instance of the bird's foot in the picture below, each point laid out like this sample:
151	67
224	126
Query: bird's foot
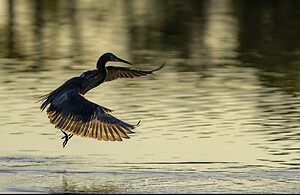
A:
66	137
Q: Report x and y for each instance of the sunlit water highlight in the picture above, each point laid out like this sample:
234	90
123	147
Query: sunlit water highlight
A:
222	116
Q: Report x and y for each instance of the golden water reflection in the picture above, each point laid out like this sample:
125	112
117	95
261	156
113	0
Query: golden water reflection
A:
224	112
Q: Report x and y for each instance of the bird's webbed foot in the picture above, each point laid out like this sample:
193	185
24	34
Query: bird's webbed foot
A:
66	137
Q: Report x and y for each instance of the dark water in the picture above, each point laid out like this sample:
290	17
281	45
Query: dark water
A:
222	116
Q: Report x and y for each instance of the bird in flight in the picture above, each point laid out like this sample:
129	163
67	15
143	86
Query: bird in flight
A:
72	113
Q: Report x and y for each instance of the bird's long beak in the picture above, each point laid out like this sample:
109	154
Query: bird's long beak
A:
121	60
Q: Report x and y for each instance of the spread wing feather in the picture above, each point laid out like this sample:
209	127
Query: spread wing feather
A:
72	113
115	72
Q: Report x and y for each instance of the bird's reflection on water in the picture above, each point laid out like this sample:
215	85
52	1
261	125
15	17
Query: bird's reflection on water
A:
70	185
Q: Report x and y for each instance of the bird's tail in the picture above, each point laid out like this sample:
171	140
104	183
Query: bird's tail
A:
42	98
45	100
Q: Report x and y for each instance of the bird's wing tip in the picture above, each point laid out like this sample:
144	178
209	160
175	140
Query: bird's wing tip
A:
138	124
160	67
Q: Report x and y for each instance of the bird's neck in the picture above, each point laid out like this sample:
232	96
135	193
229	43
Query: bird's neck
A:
92	83
95	80
102	72
101	64
98	78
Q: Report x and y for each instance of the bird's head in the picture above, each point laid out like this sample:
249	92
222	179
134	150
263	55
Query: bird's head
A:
109	57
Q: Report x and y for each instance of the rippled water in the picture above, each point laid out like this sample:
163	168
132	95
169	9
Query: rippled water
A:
222	116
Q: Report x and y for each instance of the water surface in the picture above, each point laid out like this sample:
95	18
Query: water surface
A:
222	116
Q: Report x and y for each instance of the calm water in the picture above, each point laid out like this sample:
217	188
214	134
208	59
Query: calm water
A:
222	116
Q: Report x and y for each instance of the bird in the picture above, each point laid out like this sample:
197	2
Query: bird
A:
73	114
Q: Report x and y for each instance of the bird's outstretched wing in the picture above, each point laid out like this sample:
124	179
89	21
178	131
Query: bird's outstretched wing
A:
115	72
72	113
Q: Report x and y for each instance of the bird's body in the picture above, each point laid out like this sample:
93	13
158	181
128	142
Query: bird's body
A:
70	112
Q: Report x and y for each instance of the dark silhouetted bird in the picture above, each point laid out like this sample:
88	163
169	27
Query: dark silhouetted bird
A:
70	112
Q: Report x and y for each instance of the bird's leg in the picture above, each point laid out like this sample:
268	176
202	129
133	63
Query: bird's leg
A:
70	135
66	137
